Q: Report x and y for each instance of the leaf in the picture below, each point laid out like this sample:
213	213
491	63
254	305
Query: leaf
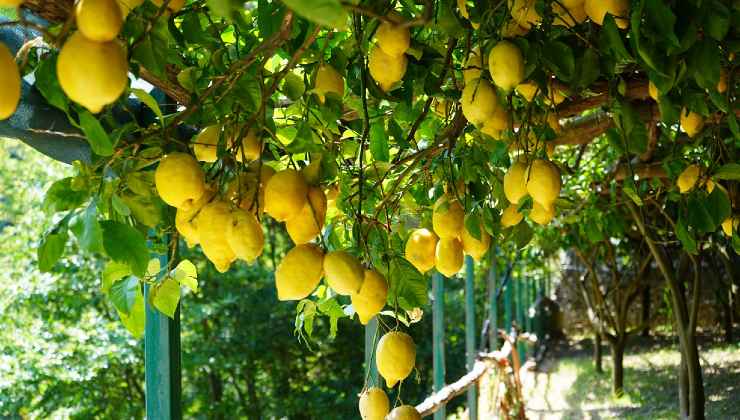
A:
613	39
683	234
48	84
62	197
379	142
699	217
324	12
51	249
729	171
119	206
629	189
734	127
334	311
135	320
717	21
187	275
123	294
559	57
86	229
97	137
113	272
661	20
149	101
704	61
472	225
125	244
718	205
407	285
166	296
588	69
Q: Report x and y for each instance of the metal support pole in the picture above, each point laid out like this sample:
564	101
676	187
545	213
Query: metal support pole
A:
371	369
470	334
508	305
438	338
520	314
493	303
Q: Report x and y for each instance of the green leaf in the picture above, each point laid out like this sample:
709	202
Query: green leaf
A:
734	127
113	272
166	296
559	57
334	311
125	244
324	12
135	320
62	197
97	137
704	61
379	142
683	234
522	234
407	285
629	189
613	39
51	249
187	275
661	20
48	84
148	100
718	205
588	69
699	217
86	229
123	294
119	206
472	225
717	21
729	171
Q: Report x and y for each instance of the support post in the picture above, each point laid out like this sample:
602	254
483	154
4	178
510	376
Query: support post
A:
493	303
470	334
520	315
508	308
438	338
371	369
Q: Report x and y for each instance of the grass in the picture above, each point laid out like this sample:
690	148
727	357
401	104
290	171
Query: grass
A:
568	387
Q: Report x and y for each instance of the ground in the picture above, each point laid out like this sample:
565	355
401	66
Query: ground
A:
566	385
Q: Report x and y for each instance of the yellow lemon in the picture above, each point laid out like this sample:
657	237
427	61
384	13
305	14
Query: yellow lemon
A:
213	220
449	256
404	412
374	404
554	122
299	272
386	69
372	296
344	273
328	80
185	219
479	101
569	16
393	38
448	217
511	216
308	223
179	180
473	66
653	91
542	214
488	130
687	180
527	90
512	29
498	121
709	185
597	10
524	13
515	182
93	74
395	357
10	3
420	249
506	64
476	248
250	148
243	190
554	94
244	235
543	181
729	224
285	195
691	122
205	144
722	83
127	6
99	20
173	5
10	80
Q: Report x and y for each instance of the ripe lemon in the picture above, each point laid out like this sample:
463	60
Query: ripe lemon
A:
506	64
542	214
309	222
709	185
328	80
448	217
127	6
243	190
344	273
511	216
488	130
691	122
543	181
205	144
10	80
374	404
687	180
729	224
512	29
386	69
395	357
285	195
554	94
173	6
404	412
245	236
179	180
515	182
476	248
99	20
393	38
722	83
568	16
372	296
524	13
93	74
185	219
250	148
213	220
10	3
473	66
597	10
299	272
420	249
479	101
449	256
653	91
527	90
498	121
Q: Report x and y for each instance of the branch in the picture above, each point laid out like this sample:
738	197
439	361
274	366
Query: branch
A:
584	130
636	89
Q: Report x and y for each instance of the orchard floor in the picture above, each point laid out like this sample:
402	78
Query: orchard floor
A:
567	386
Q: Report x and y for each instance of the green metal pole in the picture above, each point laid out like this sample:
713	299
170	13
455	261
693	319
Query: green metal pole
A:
371	370
470	334
508	309
438	338
493	302
520	315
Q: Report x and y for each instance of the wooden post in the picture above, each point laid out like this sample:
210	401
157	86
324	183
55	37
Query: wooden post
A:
470	348
438	338
371	370
493	303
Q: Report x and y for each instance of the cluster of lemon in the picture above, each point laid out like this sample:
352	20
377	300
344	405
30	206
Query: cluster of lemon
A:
541	181
692	177
568	13
387	61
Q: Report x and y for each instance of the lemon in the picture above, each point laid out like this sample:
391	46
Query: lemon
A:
476	248
328	80
570	4
179	180
308	223
404	412
395	357
473	66
10	3
243	190
554	122
344	273
185	219
10	80
393	38
569	16
597	10
512	29
420	249
543	181
687	180
511	216
205	144
498	121
374	404
173	5
554	94
479	101
729	224
244	235
213	220
386	69
448	217
524	13
285	195
250	148
98	20
691	122
299	272
515	182
127	6
709	185
542	214
488	130
93	74
449	256
506	64
722	83
372	296
653	91
527	90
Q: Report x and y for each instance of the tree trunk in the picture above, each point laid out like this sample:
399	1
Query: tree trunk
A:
696	381
617	349
645	319
598	353
683	386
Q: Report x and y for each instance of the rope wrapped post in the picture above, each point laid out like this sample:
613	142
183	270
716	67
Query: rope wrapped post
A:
470	334
438	338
